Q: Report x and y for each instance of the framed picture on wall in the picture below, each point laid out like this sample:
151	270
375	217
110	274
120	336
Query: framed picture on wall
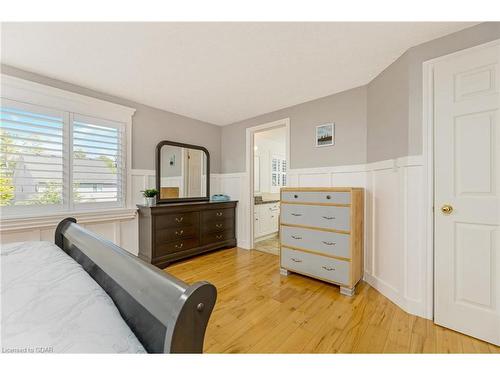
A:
325	135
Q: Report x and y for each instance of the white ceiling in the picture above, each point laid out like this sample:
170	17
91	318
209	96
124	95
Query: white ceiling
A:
216	72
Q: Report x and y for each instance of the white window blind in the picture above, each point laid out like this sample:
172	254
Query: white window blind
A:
62	160
97	161
278	172
31	155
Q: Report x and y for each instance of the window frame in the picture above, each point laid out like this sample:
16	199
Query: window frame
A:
28	93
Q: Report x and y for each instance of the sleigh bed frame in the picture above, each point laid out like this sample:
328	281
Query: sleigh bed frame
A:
166	314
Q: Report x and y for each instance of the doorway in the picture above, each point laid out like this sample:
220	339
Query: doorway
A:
267	166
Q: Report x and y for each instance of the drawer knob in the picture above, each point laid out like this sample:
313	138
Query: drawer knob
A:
328	197
296	237
296	260
179	246
219	225
329	217
219	237
329	243
219	213
328	268
294	214
179	232
295	196
179	219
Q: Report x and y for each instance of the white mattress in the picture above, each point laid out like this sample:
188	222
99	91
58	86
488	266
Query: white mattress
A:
50	304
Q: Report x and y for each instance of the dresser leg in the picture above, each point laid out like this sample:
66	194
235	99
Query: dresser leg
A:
284	272
347	291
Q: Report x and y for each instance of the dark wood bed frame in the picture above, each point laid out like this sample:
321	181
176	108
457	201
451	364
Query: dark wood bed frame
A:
166	314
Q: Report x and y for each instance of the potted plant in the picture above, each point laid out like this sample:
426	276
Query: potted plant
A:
150	195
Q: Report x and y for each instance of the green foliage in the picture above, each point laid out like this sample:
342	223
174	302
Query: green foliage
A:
79	154
6	191
7	166
110	163
51	195
149	193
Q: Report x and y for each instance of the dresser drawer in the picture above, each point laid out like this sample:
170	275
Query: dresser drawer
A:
176	246
334	270
184	219
173	234
328	217
339	197
217	237
220	214
217	226
329	243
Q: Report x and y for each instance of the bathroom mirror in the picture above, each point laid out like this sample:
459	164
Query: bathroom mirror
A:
183	172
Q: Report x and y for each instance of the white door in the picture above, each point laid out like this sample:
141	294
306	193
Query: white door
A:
467	183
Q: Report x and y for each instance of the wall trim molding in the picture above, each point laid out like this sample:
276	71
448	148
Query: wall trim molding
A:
405	161
51	220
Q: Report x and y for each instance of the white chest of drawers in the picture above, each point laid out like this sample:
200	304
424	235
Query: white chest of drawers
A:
321	234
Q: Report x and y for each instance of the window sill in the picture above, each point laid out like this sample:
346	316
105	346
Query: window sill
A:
47	221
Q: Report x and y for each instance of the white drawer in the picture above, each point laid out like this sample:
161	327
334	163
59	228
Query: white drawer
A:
338	197
334	270
329	243
328	217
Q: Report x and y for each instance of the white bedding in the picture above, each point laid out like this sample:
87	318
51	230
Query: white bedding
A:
50	304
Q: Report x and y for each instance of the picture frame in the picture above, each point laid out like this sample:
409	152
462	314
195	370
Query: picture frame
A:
325	135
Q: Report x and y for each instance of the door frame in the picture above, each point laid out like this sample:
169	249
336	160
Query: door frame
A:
249	169
428	164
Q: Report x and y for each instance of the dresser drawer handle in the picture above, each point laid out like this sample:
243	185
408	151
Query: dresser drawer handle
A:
179	232
179	246
296	237
329	243
179	219
219	237
219	213
219	225
294	214
328	197
328	268
329	217
295	196
296	260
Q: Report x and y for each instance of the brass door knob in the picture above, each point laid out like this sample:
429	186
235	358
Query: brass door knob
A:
446	209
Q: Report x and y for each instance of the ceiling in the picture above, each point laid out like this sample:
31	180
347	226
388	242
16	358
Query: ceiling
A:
216	72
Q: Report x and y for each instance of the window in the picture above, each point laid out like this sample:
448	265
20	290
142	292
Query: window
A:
97	161
53	160
278	172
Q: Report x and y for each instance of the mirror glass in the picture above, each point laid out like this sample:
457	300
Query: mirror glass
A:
183	172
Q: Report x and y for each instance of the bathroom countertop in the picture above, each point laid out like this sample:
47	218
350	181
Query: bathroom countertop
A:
265	202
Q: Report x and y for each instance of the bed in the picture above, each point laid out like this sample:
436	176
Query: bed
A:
84	294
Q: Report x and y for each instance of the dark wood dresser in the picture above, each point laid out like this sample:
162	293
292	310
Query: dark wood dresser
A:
169	232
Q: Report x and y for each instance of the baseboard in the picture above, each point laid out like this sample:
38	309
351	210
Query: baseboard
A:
410	306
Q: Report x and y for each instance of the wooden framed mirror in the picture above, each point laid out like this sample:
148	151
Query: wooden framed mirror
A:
182	172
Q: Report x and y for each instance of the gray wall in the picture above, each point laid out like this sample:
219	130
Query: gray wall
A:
395	96
347	109
387	112
150	125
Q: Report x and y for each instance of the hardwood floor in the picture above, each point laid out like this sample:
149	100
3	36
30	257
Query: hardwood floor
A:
260	311
269	245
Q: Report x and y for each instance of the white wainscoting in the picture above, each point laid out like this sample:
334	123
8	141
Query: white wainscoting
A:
395	253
